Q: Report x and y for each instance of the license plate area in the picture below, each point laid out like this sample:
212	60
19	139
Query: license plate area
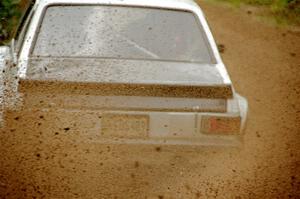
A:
124	125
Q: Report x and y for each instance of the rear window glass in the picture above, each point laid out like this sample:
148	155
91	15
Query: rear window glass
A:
121	32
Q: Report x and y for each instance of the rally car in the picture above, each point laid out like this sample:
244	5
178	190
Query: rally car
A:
123	71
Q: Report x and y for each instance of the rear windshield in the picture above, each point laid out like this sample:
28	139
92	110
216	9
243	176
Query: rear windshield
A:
121	32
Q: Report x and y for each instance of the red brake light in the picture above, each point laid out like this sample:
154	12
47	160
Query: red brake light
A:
211	124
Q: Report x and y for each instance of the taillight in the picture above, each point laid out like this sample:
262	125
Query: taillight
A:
220	124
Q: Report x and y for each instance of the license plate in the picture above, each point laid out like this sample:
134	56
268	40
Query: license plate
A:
119	125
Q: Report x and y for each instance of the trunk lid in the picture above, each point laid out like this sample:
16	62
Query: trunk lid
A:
113	77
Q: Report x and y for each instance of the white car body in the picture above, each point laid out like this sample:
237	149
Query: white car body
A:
181	107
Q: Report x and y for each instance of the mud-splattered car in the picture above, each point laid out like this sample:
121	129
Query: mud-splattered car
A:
123	71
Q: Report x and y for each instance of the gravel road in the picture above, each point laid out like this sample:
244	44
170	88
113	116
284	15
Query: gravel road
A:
264	64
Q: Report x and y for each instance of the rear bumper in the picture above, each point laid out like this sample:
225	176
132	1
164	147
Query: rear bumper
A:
138	127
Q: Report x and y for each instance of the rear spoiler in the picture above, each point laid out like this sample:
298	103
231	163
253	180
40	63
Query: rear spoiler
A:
126	89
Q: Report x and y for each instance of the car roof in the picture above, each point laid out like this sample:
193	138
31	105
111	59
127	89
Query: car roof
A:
118	1
190	5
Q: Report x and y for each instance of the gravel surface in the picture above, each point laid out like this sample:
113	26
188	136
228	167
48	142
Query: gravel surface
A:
264	63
